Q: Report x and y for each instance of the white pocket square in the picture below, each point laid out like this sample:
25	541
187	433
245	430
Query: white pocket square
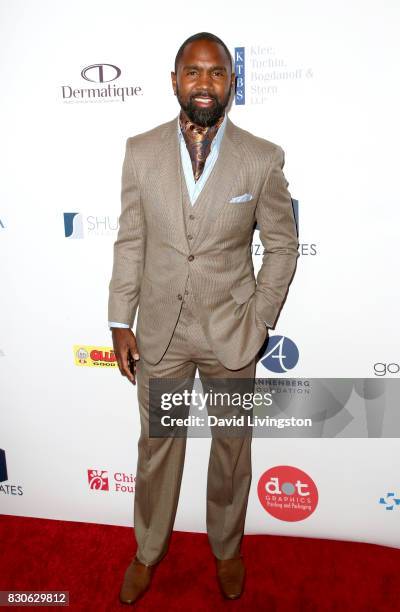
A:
242	198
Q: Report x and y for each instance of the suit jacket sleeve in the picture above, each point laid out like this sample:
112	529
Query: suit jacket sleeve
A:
278	236
129	248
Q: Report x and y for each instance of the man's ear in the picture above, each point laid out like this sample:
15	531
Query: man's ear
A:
173	80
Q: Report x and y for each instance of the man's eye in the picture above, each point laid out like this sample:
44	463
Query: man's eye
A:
192	72
218	73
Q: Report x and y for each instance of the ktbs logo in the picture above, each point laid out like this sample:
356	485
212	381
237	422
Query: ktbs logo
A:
281	354
240	72
287	493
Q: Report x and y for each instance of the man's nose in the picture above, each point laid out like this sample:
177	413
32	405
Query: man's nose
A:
205	81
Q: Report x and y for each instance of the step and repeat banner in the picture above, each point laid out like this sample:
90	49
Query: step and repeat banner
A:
320	80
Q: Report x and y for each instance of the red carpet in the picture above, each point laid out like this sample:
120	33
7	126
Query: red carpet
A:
283	573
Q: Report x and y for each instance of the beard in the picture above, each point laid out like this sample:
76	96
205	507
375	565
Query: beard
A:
205	117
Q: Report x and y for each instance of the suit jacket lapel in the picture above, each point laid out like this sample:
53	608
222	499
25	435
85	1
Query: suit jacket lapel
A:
169	161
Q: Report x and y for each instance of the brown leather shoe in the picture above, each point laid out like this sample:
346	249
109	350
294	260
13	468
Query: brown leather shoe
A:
230	575
136	581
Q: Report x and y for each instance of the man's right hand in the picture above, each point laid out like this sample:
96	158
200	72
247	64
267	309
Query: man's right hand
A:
126	351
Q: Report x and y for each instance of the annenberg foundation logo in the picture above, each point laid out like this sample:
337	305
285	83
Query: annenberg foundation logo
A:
287	493
94	356
121	482
78	226
281	354
102	75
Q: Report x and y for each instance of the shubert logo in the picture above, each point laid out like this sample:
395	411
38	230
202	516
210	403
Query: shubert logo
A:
73	225
79	226
287	493
94	356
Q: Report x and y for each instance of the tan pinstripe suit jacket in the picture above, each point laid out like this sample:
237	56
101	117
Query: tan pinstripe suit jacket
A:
153	257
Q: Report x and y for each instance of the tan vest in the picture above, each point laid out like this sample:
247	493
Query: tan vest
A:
192	218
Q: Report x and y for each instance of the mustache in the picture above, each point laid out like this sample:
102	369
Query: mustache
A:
204	94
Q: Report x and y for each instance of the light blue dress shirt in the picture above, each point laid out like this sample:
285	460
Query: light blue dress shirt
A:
194	187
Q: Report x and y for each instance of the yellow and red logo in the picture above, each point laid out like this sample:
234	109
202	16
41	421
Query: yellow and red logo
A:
94	356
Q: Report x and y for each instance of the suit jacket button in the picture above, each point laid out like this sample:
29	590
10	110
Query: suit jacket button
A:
190	237
191	257
179	296
191	217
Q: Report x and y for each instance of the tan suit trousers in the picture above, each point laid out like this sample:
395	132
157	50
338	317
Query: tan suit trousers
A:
161	460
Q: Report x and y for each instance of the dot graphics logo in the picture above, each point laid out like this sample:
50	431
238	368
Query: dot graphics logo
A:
287	493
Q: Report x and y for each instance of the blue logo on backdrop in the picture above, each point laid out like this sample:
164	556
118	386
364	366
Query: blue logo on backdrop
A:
240	71
3	466
281	354
7	489
73	225
390	501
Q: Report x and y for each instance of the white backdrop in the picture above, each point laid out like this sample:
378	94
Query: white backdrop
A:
321	81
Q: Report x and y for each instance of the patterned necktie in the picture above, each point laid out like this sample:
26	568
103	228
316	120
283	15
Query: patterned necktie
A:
198	141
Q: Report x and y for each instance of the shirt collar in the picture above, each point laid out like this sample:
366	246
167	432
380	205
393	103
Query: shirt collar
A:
218	136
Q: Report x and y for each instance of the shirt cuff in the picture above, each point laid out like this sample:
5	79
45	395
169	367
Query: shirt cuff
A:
115	324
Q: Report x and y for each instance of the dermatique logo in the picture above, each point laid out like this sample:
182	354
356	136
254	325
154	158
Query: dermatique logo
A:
104	90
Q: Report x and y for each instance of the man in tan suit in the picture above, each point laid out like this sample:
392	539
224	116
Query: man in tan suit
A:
192	189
